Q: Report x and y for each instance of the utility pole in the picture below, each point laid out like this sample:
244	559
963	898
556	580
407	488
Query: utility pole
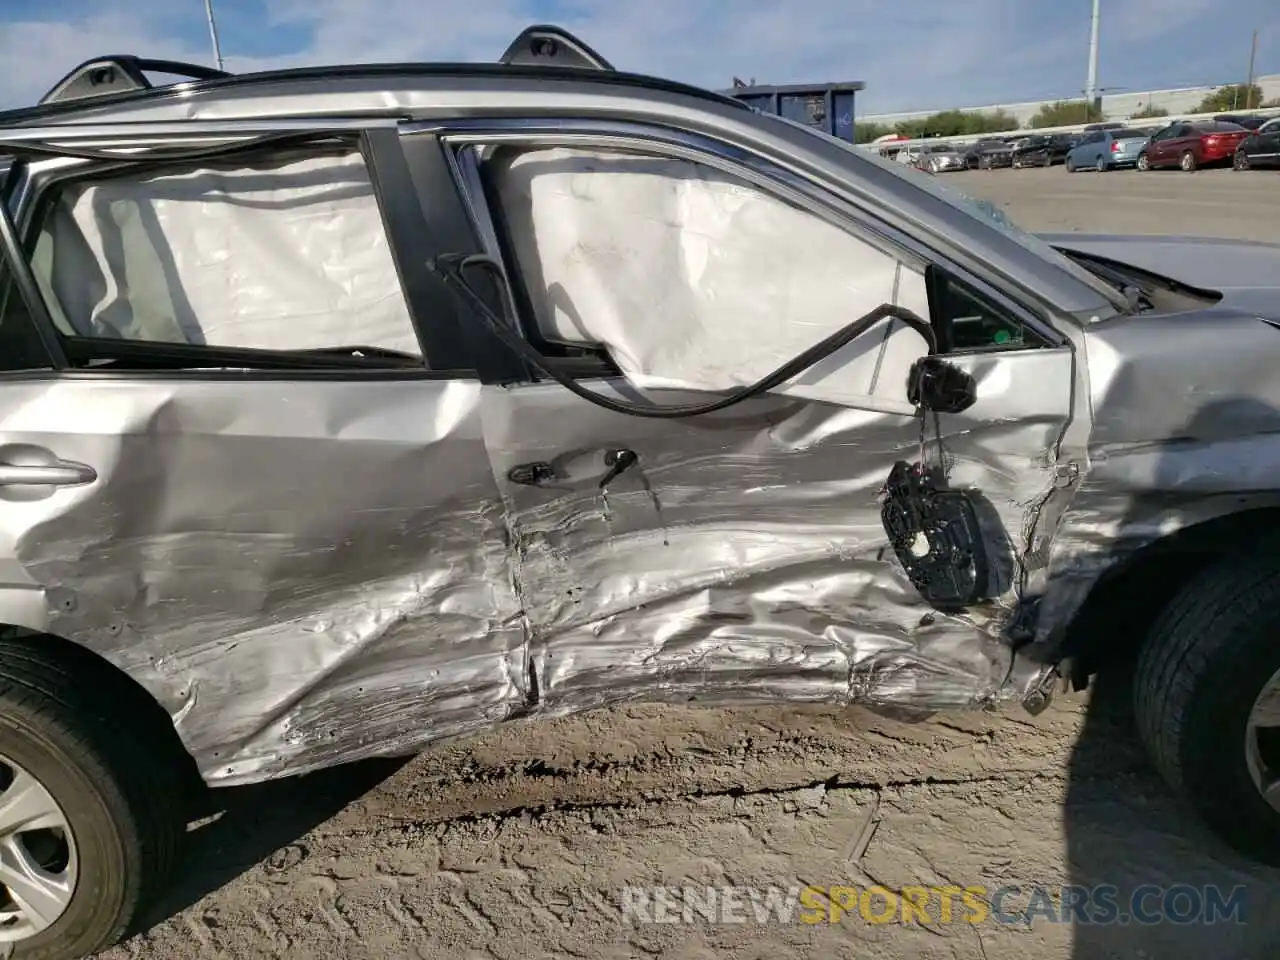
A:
1248	85
1091	90
213	33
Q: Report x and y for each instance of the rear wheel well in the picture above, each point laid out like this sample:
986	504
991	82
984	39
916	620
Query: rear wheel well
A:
1126	600
120	698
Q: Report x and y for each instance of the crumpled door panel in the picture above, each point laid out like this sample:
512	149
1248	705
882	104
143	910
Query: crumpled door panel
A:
763	570
300	573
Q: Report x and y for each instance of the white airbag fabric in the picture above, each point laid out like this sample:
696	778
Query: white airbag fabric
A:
693	279
285	257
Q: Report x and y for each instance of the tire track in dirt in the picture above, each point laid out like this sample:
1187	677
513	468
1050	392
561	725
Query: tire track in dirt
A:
530	833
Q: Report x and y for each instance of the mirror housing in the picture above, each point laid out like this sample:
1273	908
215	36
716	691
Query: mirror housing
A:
940	387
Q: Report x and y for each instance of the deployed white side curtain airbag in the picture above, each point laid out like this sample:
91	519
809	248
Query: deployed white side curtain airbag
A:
285	257
694	279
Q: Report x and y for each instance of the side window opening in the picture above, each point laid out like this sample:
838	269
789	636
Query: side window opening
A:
967	321
20	346
583	358
680	274
285	254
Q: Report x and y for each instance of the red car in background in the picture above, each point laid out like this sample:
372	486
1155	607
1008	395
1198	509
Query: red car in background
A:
1192	145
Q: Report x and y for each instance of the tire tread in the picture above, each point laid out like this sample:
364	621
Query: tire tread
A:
113	747
1190	666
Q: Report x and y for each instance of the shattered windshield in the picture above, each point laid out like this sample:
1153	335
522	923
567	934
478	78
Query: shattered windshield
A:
981	210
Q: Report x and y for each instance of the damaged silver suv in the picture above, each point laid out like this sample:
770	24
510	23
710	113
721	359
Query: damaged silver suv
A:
347	410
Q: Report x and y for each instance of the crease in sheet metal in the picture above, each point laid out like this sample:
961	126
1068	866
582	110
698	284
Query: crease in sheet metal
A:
309	572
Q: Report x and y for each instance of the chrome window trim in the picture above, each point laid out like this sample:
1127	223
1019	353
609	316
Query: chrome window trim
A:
35	176
139	132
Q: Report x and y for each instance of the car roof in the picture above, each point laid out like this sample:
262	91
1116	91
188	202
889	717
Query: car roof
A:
361	89
119	87
524	87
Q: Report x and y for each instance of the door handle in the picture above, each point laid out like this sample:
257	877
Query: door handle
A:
619	462
531	474
60	473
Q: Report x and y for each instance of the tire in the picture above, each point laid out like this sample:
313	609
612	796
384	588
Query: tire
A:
1144	162
125	816
1069	166
1101	165
1198	675
1239	161
1188	162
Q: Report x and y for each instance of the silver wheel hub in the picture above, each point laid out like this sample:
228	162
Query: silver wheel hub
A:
1262	742
37	855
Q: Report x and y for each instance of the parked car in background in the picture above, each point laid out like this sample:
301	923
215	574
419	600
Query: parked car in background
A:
1261	148
910	154
1106	149
888	144
986	154
939	157
1192	145
1044	150
1250	121
1109	125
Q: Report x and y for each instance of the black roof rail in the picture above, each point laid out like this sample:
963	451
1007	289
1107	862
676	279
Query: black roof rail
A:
121	73
551	46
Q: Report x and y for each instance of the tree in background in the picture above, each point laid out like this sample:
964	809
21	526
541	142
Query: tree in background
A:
1234	96
1149	113
958	123
866	132
1065	113
948	123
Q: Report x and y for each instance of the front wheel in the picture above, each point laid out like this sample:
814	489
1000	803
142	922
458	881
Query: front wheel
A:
89	826
1144	162
1070	167
1188	162
1240	160
1207	700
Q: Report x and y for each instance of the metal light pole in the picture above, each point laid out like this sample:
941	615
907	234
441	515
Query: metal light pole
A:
213	33
1091	90
1248	87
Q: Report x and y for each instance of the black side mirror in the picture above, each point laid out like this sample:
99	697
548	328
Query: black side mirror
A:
940	387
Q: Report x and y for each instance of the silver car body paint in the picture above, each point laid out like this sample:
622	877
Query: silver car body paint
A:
1186	411
310	571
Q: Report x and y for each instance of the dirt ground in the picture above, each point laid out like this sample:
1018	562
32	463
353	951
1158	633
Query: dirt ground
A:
516	845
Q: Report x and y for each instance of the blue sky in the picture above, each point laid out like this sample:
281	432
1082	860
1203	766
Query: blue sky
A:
913	54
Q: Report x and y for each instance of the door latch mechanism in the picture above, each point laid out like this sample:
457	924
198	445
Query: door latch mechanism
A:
935	533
